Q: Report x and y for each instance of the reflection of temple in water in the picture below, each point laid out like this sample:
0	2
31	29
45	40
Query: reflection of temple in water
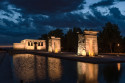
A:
30	68
87	73
27	67
111	73
54	68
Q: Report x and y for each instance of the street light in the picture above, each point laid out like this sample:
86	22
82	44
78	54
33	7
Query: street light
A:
118	44
118	48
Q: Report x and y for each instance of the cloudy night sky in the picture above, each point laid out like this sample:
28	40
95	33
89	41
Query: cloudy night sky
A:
28	19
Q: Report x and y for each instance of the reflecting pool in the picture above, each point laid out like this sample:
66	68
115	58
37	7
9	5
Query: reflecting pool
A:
29	68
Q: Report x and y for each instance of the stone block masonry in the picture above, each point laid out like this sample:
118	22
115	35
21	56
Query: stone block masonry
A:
87	43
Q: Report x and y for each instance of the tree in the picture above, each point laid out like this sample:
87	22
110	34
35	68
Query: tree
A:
72	39
109	38
68	37
56	33
123	44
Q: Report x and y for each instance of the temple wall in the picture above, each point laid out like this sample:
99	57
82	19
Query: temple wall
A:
57	46
54	45
81	45
28	47
29	44
49	45
87	43
19	46
91	45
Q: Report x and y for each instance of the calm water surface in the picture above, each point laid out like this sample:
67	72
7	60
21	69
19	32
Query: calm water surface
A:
29	68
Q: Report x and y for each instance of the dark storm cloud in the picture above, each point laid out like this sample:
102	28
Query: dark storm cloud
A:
11	32
116	13
48	6
41	16
70	20
103	3
95	21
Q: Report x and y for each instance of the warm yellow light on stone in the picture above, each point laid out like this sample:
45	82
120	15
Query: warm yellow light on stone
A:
88	42
91	53
30	44
56	51
54	45
84	53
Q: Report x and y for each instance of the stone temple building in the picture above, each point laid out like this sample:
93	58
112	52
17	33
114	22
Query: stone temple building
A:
30	44
87	43
54	44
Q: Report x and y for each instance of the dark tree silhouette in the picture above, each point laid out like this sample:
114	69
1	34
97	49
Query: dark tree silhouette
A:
109	38
72	39
56	33
123	44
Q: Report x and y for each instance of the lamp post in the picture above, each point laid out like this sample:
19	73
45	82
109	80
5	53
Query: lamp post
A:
118	47
118	44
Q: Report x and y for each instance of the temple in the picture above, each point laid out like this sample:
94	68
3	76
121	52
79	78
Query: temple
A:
54	44
87	43
30	44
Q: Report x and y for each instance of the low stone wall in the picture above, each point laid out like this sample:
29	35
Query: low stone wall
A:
18	46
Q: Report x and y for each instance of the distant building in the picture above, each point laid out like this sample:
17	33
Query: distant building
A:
30	44
87	43
54	44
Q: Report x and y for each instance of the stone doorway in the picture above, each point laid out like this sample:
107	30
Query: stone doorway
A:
35	45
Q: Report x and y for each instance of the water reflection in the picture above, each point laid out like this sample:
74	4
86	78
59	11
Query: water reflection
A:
40	67
111	73
24	66
33	68
87	73
29	68
118	66
54	69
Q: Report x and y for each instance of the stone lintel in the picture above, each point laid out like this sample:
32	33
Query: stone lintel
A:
91	32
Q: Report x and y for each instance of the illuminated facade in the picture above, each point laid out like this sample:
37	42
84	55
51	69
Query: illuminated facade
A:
30	44
87	43
54	44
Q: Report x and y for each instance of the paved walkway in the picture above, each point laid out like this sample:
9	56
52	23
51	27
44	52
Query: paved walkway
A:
103	58
96	59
